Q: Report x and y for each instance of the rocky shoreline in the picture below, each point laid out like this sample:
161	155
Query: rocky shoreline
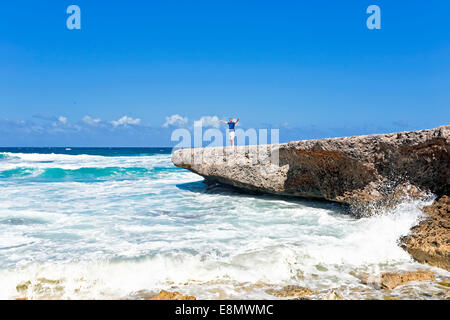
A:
429	241
419	284
385	285
367	173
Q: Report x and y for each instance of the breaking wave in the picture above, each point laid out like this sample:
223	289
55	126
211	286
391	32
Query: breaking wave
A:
145	225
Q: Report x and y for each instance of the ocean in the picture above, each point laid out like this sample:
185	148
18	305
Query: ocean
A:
125	223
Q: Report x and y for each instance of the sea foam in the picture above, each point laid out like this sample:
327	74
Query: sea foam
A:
163	228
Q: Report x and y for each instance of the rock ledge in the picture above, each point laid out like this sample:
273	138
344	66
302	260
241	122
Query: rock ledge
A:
363	171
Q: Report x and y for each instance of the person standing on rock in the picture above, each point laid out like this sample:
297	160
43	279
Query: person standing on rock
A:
231	133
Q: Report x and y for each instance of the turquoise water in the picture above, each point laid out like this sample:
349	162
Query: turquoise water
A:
124	222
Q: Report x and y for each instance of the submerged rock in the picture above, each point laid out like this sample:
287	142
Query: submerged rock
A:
429	241
291	291
391	280
363	171
166	295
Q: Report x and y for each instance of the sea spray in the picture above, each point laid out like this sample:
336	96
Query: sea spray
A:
162	228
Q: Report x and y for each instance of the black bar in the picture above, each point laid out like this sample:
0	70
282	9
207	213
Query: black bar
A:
221	309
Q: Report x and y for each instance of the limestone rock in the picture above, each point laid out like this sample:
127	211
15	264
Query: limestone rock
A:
166	295
429	241
291	291
391	280
359	171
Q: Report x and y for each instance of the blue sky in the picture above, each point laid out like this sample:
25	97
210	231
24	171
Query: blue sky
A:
310	68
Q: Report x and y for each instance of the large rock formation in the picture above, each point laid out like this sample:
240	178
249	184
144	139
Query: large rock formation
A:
359	170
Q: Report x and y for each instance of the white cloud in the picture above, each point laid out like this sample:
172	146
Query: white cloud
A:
210	121
125	121
90	121
62	119
175	120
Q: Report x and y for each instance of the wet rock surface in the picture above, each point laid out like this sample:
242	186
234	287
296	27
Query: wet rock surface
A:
166	295
291	291
429	241
391	280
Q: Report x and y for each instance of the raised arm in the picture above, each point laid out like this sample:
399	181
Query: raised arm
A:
237	120
223	121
